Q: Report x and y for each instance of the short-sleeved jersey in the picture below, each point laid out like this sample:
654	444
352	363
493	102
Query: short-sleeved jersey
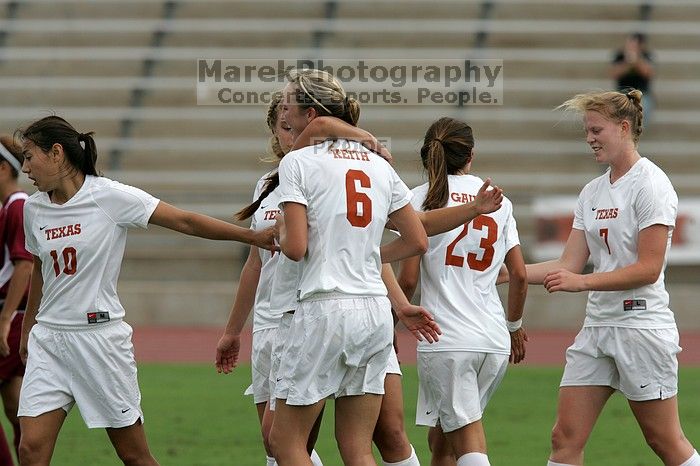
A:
459	271
611	216
81	246
285	284
264	217
12	240
348	192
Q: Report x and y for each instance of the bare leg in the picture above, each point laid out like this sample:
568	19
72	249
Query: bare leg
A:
577	412
662	430
291	430
10	400
389	433
39	436
442	454
131	445
355	418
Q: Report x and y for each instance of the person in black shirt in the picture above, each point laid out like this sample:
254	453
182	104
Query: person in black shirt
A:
632	68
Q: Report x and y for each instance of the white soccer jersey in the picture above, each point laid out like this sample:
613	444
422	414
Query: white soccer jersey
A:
459	271
264	217
285	284
81	246
612	217
348	192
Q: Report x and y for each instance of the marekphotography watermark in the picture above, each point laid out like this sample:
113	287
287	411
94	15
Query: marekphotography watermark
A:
370	82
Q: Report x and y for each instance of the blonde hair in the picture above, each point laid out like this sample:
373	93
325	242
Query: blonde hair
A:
272	114
320	90
613	105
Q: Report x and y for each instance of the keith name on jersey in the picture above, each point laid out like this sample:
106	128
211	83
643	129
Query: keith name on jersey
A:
350	154
604	214
62	232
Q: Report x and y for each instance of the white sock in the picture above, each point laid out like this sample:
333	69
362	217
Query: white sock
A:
315	458
473	459
694	460
410	461
271	461
552	463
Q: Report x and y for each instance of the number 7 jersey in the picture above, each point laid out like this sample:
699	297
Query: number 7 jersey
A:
459	271
81	246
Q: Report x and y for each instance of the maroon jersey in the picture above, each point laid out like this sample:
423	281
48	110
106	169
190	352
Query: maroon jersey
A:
12	241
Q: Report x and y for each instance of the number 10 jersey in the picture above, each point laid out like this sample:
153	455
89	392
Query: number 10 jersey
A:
81	246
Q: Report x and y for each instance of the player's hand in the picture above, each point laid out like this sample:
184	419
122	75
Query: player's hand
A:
23	348
227	353
517	345
419	322
563	280
488	200
5	325
265	239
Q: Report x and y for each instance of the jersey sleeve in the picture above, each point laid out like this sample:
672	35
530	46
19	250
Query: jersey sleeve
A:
14	231
126	205
656	203
29	240
292	187
400	194
512	238
578	213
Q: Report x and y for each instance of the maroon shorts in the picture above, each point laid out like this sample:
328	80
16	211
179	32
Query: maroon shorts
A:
11	366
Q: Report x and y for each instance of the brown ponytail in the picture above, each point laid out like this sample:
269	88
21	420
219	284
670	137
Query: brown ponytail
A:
447	148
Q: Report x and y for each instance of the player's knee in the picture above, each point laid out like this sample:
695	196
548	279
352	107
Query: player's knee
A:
32	451
565	438
665	445
267	441
391	438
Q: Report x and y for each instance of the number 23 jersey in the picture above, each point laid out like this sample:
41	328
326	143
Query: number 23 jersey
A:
81	246
459	271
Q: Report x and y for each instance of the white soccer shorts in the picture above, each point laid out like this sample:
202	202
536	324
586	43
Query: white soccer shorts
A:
455	386
92	367
641	363
336	347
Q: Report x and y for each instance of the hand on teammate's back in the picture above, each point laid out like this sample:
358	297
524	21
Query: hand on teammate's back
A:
419	322
265	239
488	200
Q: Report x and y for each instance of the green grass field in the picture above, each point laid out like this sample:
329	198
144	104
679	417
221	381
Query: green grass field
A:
197	417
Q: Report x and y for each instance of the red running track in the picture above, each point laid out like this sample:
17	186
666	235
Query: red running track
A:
198	344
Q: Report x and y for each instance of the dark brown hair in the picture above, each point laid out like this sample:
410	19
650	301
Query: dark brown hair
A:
55	130
447	148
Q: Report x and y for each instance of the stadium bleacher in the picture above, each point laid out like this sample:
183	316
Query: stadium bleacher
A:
127	70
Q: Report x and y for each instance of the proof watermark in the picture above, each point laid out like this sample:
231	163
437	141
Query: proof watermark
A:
370	82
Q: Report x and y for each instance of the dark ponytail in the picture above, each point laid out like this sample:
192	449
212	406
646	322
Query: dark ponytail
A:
55	130
271	182
447	148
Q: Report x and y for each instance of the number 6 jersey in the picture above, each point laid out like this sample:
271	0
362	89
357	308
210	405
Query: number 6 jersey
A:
81	245
459	271
348	192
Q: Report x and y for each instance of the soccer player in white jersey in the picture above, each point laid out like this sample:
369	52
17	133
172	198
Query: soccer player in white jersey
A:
255	288
623	223
336	198
459	374
77	347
